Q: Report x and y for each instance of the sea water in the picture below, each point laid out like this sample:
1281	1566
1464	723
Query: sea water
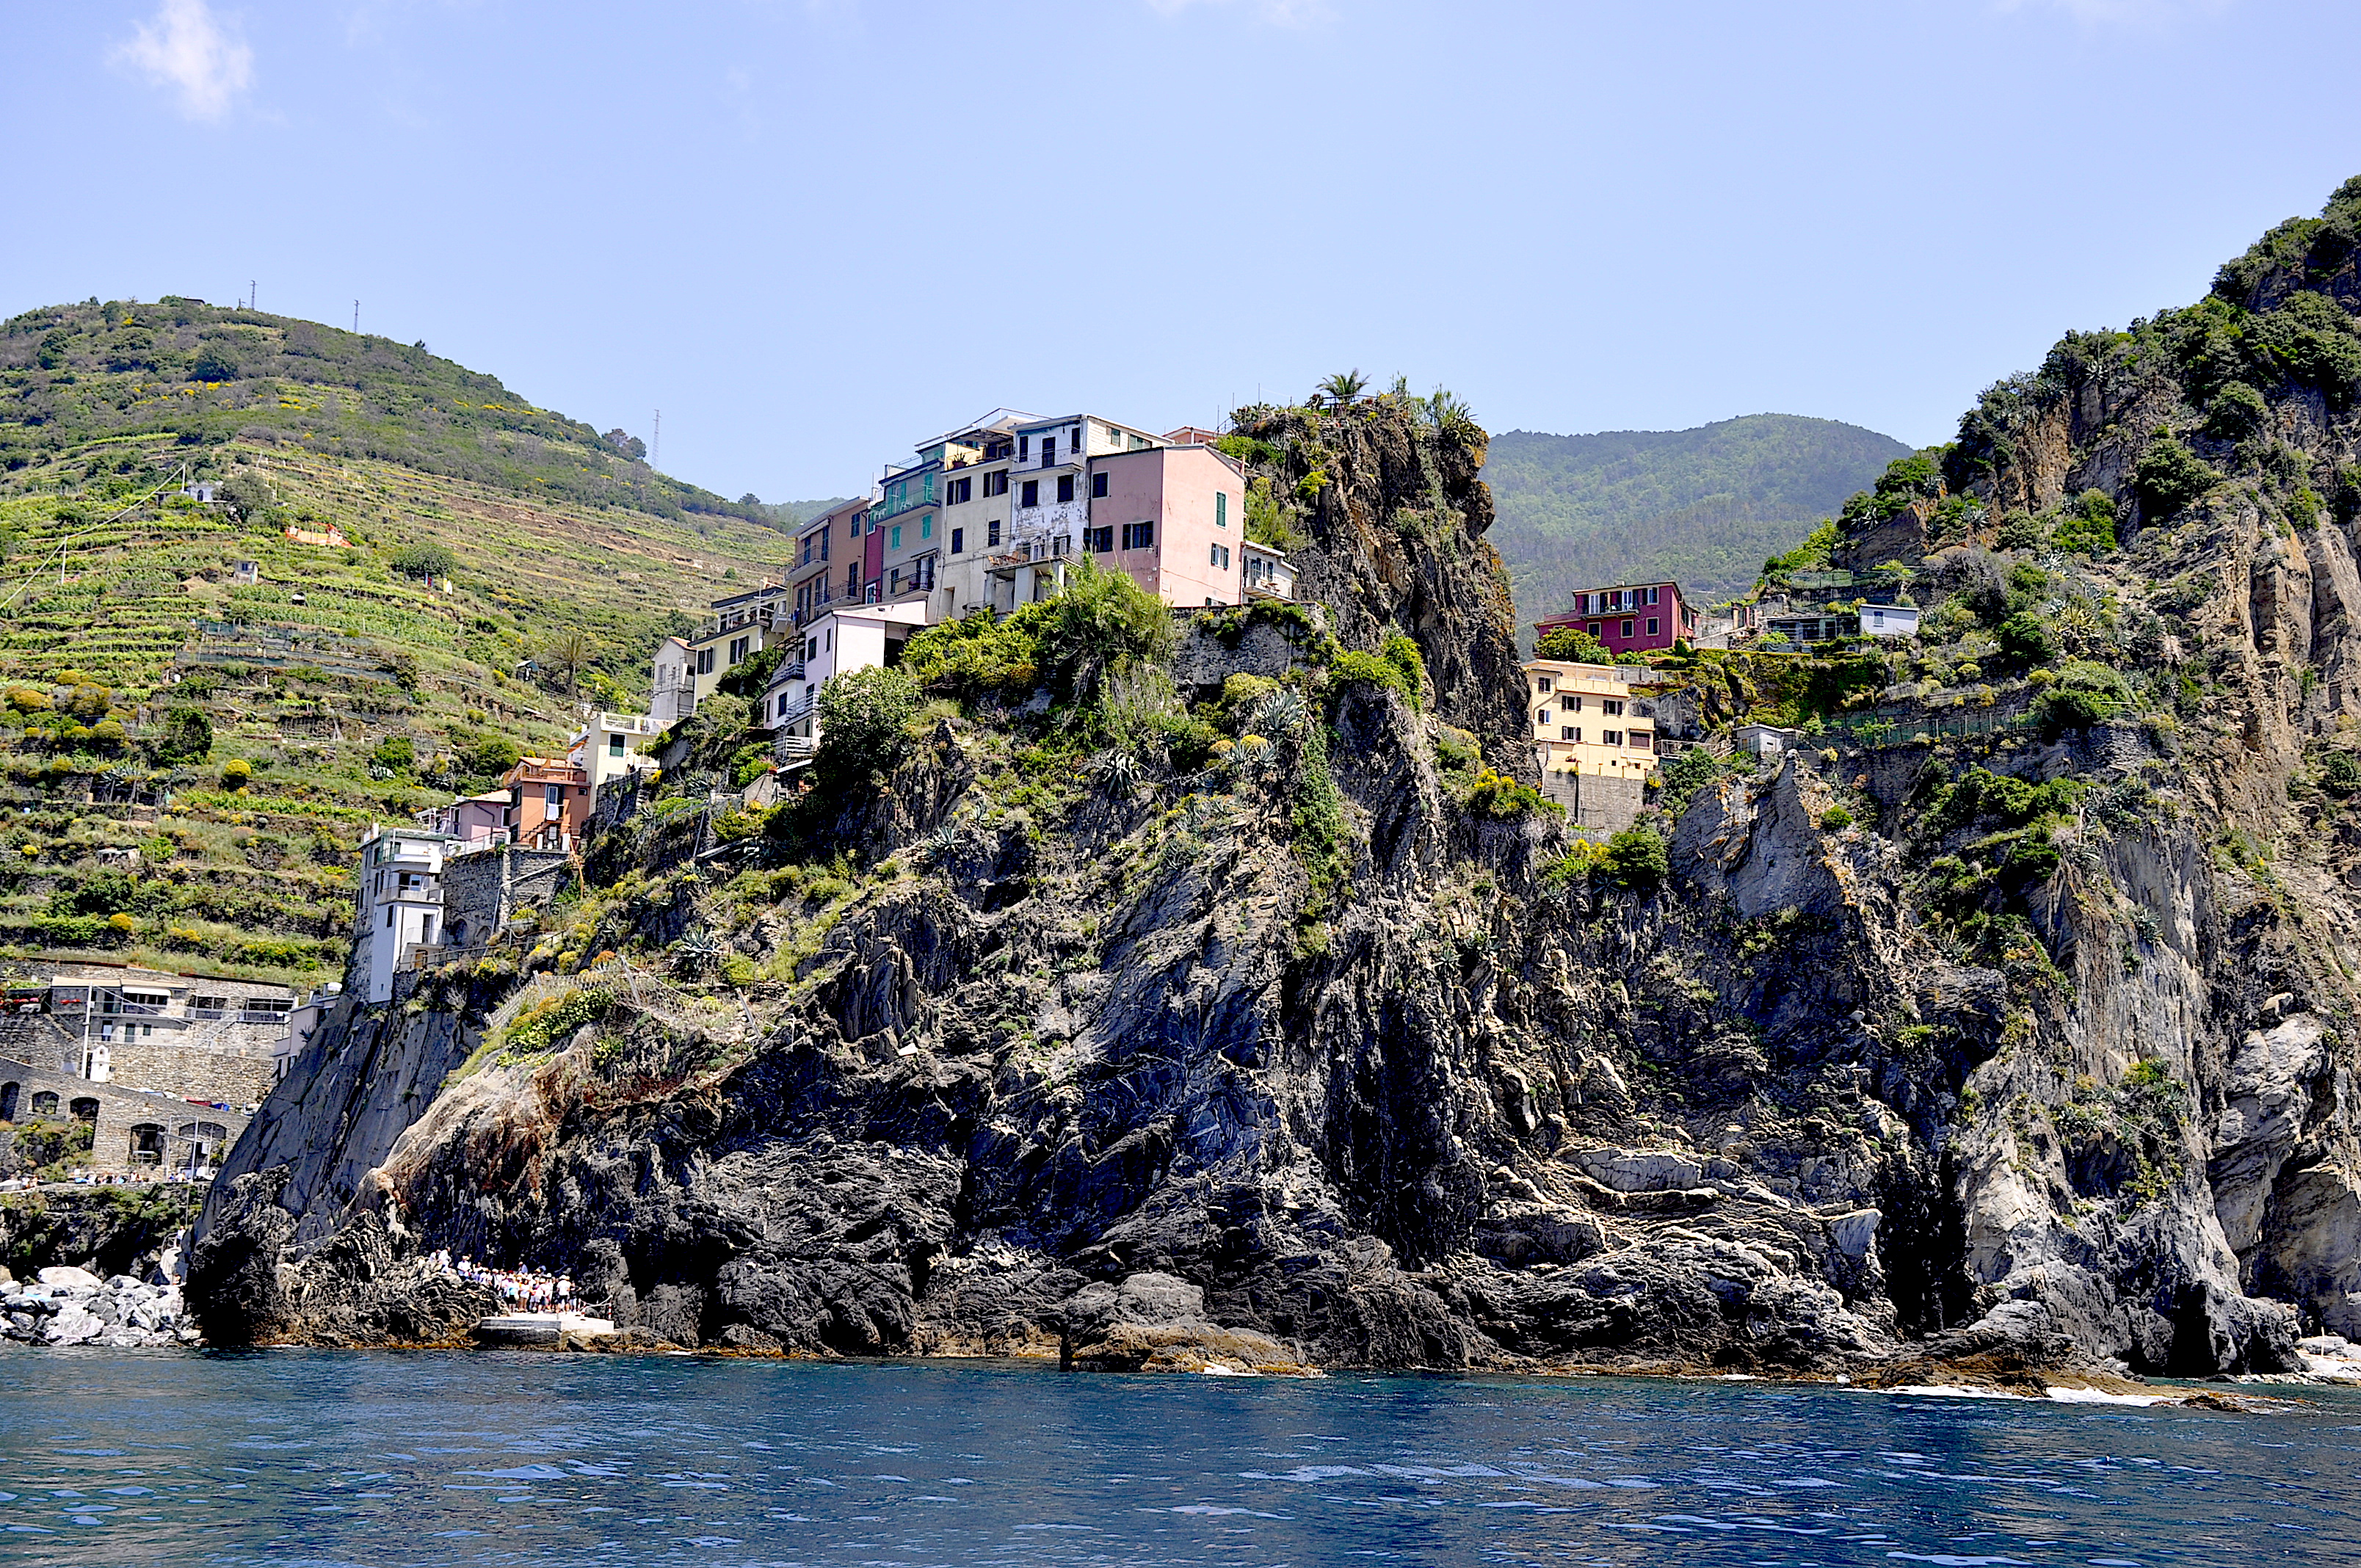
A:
317	1458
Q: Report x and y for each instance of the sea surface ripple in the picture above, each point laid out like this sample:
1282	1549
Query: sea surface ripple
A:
318	1458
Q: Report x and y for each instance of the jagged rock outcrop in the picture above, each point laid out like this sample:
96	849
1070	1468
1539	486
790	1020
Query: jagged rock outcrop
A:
2024	1046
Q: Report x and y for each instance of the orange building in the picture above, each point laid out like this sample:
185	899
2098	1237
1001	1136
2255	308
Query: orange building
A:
551	802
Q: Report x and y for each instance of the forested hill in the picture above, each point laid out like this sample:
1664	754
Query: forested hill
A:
1705	506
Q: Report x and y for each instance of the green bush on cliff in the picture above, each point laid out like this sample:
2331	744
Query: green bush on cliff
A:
2088	526
1573	646
861	717
2085	694
1495	795
1397	668
980	654
1637	859
2168	476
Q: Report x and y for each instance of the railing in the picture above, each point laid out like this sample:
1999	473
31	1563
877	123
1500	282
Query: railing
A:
794	710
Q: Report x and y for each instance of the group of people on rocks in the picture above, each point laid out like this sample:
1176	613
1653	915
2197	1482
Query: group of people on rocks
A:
520	1291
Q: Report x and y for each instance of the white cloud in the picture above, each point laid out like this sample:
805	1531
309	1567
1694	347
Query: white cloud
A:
1279	13
185	49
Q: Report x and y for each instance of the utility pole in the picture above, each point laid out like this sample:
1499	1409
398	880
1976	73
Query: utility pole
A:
250	294
357	318
655	443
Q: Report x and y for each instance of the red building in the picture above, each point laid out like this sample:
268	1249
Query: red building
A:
1629	620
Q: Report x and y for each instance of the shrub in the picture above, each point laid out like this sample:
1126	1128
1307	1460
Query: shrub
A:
862	715
978	654
1495	796
1835	819
26	699
396	754
186	737
2340	772
2236	412
1397	668
1573	646
1101	624
485	753
2026	639
1683	775
2089	527
236	774
2085	694
1637	859
2168	476
427	560
2019	531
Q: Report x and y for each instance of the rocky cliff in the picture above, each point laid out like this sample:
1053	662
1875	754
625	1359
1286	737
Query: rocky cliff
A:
1277	1017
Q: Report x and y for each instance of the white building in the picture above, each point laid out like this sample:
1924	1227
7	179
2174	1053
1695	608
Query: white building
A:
1889	620
1264	572
847	637
605	747
400	902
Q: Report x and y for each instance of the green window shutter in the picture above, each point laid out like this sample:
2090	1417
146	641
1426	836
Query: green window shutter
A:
895	539
927	527
1220	508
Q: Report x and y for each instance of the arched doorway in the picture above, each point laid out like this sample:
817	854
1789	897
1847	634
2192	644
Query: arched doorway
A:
84	1109
147	1144
10	1094
204	1139
45	1102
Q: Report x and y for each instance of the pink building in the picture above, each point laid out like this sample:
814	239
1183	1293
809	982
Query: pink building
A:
1172	517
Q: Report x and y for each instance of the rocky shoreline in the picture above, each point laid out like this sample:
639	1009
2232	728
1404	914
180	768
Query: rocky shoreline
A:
67	1305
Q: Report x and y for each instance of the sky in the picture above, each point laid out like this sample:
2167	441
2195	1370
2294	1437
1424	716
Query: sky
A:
813	232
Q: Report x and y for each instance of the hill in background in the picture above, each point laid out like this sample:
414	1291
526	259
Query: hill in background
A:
1705	506
501	563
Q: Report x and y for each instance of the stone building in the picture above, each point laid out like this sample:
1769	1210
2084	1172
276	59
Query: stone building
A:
134	1132
194	1037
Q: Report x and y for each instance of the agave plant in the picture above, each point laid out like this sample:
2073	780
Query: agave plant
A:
1117	771
941	843
1279	713
699	952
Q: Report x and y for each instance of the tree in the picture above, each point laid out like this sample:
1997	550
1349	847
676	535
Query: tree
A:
2168	476
568	651
425	560
862	715
1344	386
1573	646
1637	859
246	495
625	444
1101	624
187	736
485	753
2026	639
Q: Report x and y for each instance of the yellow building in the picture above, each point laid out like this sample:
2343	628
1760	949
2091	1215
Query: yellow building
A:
1587	720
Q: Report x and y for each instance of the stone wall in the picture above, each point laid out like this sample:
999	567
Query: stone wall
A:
481	890
194	1071
1602	804
1254	640
120	1110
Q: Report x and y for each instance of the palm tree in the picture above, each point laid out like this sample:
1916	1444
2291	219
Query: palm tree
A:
1344	386
570	651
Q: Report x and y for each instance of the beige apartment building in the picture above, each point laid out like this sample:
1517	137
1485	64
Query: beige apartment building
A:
1587	721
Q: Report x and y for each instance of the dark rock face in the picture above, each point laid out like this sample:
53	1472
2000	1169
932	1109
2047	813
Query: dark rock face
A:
1136	1076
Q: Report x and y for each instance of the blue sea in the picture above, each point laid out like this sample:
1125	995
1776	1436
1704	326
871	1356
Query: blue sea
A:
317	1458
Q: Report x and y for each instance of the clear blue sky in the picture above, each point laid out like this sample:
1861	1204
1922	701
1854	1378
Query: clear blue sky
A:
814	230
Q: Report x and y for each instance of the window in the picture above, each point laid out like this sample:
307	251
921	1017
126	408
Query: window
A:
552	795
997	484
1220	508
807	549
1594	628
1651	596
1542	685
1065	487
1611	707
811	648
614	745
1610	737
1099	540
738	649
1651	626
388	916
853	581
1139	535
1541	716
1024	447
1048	451
1571	704
1029	493
1099	484
1627	629
958	492
926	531
1640	738
705	661
893	540
1221	556
1569	733
992	530
959	539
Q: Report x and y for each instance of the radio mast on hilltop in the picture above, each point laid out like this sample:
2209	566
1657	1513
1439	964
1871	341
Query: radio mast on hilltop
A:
655	443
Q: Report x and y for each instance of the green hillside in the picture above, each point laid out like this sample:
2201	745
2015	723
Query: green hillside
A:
502	563
1704	506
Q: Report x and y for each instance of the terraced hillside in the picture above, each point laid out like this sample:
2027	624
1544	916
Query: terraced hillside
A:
210	685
